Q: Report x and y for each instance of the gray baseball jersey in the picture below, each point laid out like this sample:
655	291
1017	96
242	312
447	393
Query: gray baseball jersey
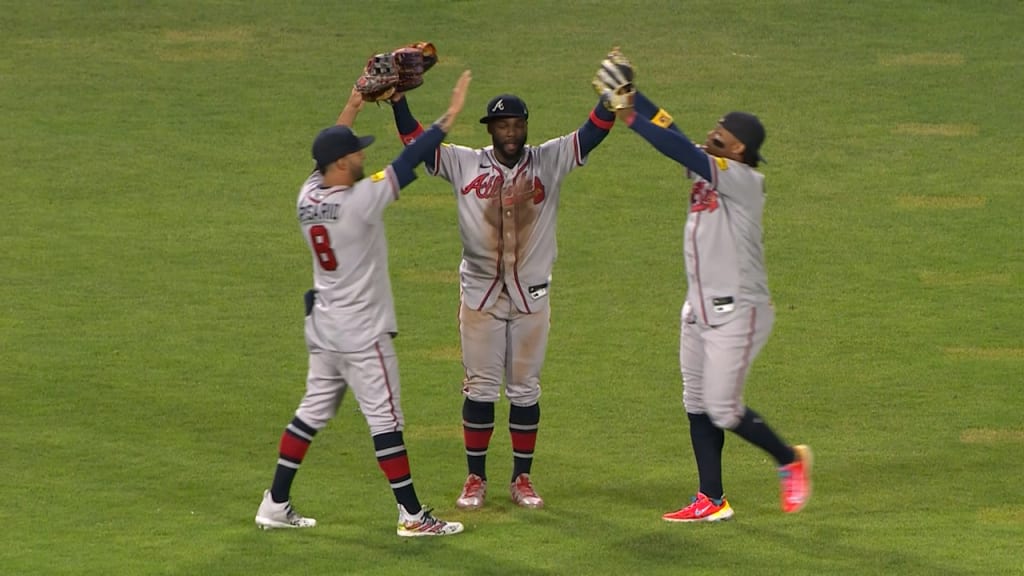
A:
344	230
507	246
723	247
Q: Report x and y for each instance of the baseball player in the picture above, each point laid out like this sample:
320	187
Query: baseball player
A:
727	316
507	197
350	315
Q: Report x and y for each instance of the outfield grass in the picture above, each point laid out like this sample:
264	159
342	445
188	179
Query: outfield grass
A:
151	341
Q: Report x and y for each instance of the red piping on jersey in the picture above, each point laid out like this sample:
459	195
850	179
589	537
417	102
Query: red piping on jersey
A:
515	272
746	349
696	270
393	180
309	195
387	382
497	276
437	162
576	148
696	251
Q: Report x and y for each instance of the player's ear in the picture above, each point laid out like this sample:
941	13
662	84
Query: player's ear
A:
738	148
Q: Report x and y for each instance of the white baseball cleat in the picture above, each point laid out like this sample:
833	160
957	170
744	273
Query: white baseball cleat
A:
424	524
280	515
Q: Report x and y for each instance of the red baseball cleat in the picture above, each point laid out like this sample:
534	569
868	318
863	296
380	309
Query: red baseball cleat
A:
702	509
795	480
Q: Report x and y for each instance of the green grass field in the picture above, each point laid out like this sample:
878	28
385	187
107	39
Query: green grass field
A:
151	275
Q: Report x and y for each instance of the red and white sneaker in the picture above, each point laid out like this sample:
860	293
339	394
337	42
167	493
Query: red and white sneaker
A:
523	493
702	509
424	524
473	493
795	480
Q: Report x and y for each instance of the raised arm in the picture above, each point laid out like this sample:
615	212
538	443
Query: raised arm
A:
409	128
422	149
615	82
351	110
657	115
671	143
595	128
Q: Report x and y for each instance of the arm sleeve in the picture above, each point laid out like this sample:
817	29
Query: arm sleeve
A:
408	127
673	144
657	115
595	129
420	150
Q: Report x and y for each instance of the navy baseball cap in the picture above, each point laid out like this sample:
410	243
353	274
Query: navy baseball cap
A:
748	129
337	142
506	106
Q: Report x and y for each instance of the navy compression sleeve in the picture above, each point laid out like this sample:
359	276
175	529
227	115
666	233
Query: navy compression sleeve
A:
653	112
595	129
423	148
409	129
673	144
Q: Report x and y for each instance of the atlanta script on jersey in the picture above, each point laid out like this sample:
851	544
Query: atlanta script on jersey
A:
722	241
507	218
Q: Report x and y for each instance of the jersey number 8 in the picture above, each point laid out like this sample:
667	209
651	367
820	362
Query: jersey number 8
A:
320	241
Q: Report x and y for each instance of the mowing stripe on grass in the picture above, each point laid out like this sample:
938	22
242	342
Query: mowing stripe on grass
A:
1002	515
439	431
218	44
992	436
918	129
919	201
412	199
945	278
922	59
986	353
445	353
418	275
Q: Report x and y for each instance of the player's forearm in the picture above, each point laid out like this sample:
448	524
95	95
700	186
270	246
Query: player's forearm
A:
658	116
408	127
595	129
673	144
419	151
351	109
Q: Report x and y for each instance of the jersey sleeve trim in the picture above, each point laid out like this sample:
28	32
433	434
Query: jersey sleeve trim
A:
577	149
393	181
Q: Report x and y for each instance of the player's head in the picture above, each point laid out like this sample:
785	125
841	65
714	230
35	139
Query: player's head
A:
338	153
738	135
507	117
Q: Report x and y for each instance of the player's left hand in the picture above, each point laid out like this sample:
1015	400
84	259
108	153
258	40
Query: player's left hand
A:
399	70
614	81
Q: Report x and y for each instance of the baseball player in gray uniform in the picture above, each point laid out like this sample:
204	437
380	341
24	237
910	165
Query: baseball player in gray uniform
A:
350	314
727	316
507	198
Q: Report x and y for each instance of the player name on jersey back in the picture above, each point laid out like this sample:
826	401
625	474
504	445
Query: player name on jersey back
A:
322	212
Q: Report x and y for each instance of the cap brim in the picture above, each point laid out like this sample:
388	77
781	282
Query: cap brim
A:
365	141
487	119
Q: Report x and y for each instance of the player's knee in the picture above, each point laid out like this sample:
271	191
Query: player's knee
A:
316	420
384	427
481	391
523	394
726	419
